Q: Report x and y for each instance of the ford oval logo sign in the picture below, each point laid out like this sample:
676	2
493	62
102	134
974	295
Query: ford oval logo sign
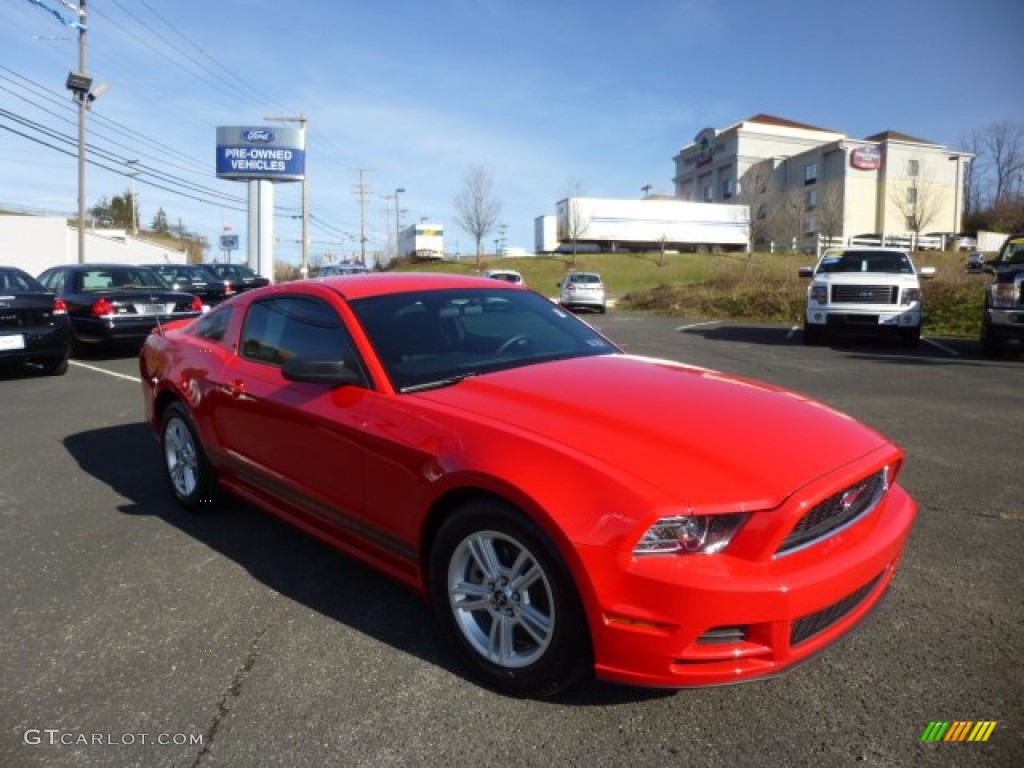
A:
258	135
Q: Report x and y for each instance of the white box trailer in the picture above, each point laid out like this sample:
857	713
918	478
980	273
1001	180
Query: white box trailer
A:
651	224
424	240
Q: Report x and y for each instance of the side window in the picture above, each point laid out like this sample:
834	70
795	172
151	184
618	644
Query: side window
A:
214	325
280	329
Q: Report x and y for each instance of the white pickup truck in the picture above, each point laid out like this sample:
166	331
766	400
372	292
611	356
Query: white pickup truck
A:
864	288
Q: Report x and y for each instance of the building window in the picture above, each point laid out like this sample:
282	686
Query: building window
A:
810	225
913	167
810	199
709	193
726	189
911	223
912	195
810	173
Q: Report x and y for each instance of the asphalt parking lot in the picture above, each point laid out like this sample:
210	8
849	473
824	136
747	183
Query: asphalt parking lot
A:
134	634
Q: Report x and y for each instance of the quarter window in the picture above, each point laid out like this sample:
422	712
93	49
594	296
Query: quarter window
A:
214	325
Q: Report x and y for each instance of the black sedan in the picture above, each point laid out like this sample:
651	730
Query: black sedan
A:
196	279
34	324
242	278
116	303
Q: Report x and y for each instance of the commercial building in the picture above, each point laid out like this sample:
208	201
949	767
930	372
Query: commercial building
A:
807	185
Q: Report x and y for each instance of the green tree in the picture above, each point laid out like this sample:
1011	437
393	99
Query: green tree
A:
160	222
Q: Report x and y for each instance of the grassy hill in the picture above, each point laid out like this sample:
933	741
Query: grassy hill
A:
757	287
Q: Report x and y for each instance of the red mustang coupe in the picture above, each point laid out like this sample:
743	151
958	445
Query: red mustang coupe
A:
568	509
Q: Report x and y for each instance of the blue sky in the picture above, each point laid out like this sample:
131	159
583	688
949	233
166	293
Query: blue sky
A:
549	95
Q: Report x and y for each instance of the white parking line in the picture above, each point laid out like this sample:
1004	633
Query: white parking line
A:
943	347
697	325
115	374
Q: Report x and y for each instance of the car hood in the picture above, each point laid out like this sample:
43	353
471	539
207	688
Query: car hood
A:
860	278
713	441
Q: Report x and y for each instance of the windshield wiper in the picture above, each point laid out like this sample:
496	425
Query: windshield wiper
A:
447	382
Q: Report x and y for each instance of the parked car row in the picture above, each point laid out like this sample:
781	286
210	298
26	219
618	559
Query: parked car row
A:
77	305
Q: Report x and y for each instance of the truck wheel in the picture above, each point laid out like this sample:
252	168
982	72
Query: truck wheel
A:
912	336
812	334
991	344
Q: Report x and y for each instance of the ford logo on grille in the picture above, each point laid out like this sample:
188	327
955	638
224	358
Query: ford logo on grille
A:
259	135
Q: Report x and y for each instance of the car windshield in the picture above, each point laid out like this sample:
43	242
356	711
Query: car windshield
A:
116	278
508	277
889	262
16	281
434	338
1014	253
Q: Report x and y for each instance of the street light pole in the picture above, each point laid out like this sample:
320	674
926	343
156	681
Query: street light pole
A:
83	106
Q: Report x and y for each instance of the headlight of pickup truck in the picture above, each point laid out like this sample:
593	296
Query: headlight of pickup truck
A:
910	295
1004	295
819	293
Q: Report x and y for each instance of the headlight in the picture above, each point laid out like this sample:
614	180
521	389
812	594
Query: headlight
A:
819	293
910	295
689	534
1005	295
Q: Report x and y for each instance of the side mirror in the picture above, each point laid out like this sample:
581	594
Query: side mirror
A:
806	272
926	272
331	372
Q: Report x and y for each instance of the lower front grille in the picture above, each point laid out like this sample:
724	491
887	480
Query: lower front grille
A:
814	624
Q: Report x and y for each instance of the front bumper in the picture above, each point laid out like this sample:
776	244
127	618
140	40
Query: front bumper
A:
680	621
864	317
1007	323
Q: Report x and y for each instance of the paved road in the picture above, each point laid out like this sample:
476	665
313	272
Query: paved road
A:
128	622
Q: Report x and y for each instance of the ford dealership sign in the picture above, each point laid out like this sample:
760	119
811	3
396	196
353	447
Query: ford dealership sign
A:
258	152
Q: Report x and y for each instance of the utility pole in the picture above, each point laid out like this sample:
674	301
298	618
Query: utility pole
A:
132	173
303	122
362	191
398	223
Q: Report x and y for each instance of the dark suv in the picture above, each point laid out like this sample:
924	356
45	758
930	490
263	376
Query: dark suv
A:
1004	300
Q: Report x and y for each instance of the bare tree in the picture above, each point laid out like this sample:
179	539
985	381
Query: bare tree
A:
1003	145
918	201
476	209
829	210
573	225
755	190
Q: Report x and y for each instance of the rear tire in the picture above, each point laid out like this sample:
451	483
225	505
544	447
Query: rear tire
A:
185	466
506	602
54	366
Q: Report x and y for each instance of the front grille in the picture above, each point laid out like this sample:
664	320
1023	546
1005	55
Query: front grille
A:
813	624
837	512
865	294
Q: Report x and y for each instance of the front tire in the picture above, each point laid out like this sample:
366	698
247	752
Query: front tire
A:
991	344
185	466
54	366
505	601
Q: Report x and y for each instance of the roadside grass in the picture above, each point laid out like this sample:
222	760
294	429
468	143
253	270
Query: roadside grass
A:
756	287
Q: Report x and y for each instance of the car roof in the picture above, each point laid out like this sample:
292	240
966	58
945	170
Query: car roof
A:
100	265
381	284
